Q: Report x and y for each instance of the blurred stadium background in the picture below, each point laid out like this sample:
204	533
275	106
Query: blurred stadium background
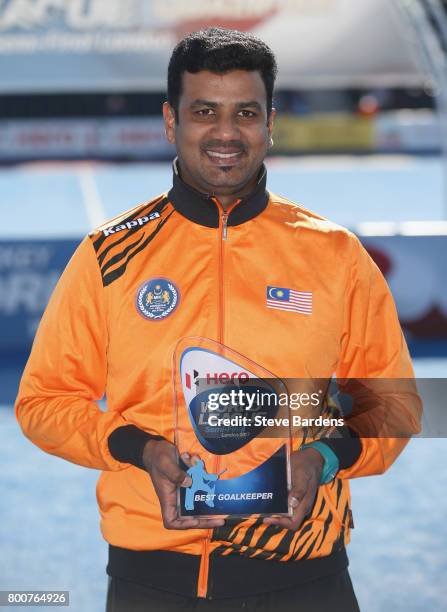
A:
361	138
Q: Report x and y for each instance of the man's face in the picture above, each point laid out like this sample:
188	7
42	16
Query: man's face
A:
222	133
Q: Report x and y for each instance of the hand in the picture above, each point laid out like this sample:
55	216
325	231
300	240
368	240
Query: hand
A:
160	461
306	467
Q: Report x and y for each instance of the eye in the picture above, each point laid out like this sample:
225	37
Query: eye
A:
205	112
247	114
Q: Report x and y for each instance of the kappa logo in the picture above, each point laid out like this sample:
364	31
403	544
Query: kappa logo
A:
131	224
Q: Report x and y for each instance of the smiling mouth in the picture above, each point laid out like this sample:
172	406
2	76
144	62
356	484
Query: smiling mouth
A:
224	159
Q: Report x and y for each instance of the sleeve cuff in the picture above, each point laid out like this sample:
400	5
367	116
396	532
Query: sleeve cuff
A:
126	444
347	448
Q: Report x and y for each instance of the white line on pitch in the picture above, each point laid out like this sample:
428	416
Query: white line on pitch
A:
93	204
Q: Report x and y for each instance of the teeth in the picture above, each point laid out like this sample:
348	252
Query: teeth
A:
222	155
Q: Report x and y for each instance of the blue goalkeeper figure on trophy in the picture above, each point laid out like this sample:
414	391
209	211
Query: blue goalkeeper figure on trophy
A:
201	481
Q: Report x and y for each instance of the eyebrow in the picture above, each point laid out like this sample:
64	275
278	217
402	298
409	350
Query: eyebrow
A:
252	103
211	104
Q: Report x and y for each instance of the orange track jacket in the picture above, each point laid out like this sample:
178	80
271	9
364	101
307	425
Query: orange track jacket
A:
97	338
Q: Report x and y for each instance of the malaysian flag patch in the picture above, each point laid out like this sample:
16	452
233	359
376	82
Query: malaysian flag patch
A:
289	299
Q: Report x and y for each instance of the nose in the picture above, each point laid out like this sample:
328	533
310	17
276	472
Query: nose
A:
226	128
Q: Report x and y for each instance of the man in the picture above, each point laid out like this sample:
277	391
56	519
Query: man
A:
198	261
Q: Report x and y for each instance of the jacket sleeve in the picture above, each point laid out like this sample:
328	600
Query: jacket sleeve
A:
375	370
66	373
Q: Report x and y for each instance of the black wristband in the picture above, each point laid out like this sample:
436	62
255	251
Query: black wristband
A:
126	444
347	447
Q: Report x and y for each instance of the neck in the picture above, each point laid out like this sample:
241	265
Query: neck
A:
199	207
225	200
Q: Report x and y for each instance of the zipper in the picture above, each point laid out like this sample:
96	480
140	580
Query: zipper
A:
223	237
202	583
224	225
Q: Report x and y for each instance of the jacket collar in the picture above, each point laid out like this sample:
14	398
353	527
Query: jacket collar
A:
202	209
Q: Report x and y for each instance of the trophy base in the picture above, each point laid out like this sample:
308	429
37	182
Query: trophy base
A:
261	491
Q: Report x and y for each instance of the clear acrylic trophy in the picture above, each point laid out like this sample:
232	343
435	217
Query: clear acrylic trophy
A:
233	415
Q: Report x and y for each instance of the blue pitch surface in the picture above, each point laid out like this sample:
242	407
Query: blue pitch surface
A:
68	200
49	533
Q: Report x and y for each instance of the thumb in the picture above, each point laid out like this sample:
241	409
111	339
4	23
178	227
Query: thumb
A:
295	496
294	502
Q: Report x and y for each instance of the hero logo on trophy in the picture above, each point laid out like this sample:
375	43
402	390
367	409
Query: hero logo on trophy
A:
224	405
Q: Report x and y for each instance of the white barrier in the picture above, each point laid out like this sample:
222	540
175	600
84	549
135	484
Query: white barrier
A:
67	138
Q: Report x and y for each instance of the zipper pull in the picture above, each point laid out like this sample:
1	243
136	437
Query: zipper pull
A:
224	226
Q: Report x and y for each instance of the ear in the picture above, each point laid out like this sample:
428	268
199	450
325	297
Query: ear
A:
270	122
169	119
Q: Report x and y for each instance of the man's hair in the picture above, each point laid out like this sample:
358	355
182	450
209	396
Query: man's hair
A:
220	50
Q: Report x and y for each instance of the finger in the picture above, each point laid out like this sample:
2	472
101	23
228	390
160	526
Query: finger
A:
285	523
188	459
171	470
302	487
171	519
168	506
296	497
209	523
187	482
299	512
195	523
169	511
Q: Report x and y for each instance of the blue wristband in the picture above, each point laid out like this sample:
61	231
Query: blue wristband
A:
331	463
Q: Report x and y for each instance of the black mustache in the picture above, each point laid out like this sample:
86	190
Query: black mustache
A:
229	144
